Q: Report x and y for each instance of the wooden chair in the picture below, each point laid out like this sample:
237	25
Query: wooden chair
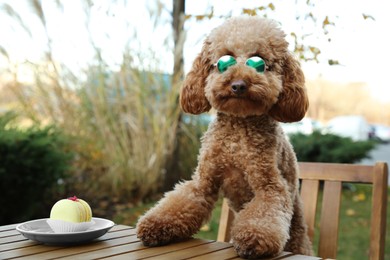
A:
333	175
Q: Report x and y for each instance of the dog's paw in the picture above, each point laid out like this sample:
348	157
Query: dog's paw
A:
157	232
253	244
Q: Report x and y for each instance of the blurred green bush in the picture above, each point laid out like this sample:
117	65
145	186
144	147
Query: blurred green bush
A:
318	147
32	163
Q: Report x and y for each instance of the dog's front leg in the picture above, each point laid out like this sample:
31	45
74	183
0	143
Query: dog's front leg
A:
180	214
262	226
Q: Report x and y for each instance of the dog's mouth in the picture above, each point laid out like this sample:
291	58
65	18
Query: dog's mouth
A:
240	100
251	94
251	102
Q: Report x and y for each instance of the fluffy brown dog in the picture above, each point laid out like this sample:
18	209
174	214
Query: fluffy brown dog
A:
246	73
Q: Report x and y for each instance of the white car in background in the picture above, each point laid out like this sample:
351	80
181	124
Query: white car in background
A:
382	132
305	126
354	126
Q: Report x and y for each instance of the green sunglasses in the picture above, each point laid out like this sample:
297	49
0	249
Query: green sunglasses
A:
227	60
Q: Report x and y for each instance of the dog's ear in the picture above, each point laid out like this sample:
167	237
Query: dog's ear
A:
192	95
293	101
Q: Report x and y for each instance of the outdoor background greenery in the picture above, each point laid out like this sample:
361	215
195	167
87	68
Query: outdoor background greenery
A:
33	164
319	147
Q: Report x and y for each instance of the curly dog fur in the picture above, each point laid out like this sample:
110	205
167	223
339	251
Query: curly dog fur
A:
244	152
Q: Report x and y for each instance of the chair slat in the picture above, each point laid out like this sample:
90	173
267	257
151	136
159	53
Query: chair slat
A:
309	195
226	221
379	208
336	172
329	223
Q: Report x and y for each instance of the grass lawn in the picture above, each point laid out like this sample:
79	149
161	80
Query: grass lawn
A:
354	222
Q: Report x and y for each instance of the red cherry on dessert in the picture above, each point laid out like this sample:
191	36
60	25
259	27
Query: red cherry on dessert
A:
74	198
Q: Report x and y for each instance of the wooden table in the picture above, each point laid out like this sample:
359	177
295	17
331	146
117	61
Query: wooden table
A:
119	243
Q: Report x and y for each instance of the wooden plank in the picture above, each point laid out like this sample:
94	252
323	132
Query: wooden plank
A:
329	223
16	245
9	233
193	251
117	234
105	252
336	171
225	222
300	257
121	227
7	227
225	253
155	251
10	239
28	251
309	195
379	209
50	252
280	256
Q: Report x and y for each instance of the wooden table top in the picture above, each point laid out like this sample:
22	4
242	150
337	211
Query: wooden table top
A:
119	243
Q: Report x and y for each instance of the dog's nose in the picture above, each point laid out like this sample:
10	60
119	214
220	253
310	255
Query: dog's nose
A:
239	87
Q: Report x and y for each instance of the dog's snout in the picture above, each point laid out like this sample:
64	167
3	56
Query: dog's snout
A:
239	87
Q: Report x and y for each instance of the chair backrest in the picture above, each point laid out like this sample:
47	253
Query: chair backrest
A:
333	175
